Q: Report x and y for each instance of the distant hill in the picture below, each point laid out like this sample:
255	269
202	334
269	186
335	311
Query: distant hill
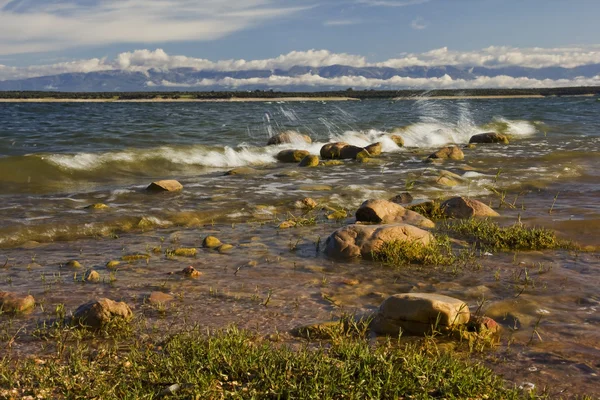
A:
190	79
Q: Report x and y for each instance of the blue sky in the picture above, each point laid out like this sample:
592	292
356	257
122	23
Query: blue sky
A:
43	31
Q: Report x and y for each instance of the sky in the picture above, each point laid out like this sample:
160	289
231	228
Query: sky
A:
52	36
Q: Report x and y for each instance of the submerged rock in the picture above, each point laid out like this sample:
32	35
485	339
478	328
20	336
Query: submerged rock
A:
211	242
289	137
309	161
91	276
185	252
461	207
306	202
291	156
159	298
361	240
383	211
73	264
489	137
374	149
224	248
97	206
113	264
97	313
241	171
419	313
169	185
402	198
191	272
11	302
448	153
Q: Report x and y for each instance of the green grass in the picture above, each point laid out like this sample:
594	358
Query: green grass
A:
488	235
403	253
234	364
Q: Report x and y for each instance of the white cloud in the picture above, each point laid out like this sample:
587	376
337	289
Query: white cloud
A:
418	24
341	22
396	82
45	26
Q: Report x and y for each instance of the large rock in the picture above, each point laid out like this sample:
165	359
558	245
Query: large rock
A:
289	137
461	207
168	185
98	313
350	151
361	240
385	212
374	149
489	137
419	313
448	153
309	161
14	303
291	156
332	151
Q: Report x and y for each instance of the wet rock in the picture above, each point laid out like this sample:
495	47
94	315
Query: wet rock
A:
361	240
307	202
332	163
185	252
374	149
489	137
402	198
339	214
191	272
159	298
471	146
97	206
419	313
484	325
113	264
350	152
385	212
291	156
211	242
98	313
289	137
448	153
131	258
169	185
73	264
224	248
461	207
350	282
398	140
241	171
332	151
91	276
444	180
287	224
15	303
309	161
363	156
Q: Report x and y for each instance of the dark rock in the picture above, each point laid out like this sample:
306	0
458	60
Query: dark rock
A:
489	137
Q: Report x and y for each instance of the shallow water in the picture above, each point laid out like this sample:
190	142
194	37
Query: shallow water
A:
58	158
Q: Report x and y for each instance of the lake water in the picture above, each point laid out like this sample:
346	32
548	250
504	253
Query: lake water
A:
58	158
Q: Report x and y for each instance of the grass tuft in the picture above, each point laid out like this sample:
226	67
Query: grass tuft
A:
403	253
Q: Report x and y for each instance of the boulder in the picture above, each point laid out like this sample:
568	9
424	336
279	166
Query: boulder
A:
398	140
332	151
98	313
289	137
309	161
419	313
374	149
169	185
350	151
291	156
402	198
448	153
211	242
361	240
489	137
461	207
14	303
385	212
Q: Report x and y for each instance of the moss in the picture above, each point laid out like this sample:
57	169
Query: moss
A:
185	252
130	258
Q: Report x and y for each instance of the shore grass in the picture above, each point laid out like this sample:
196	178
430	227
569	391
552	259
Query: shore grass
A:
402	253
237	365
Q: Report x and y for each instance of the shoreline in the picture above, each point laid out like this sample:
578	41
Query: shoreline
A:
277	99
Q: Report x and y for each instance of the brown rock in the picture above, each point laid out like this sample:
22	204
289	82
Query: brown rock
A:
289	137
309	161
291	156
98	313
14	303
159	298
374	149
97	206
385	212
91	276
419	313
191	272
169	185
350	151
461	207
402	198
361	240
211	242
448	153
489	137
332	150
398	140
241	171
